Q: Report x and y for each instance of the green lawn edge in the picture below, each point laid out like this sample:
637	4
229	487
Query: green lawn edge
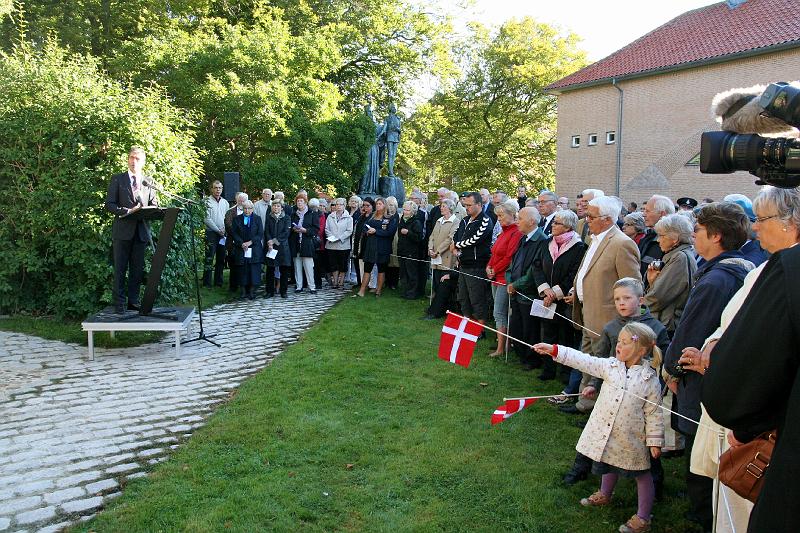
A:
358	426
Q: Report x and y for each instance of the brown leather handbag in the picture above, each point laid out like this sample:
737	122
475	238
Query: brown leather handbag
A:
742	468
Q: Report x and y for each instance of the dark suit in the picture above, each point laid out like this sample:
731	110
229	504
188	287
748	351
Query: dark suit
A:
488	210
547	227
249	267
520	273
233	280
130	236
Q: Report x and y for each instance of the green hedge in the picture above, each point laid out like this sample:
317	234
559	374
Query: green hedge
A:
66	130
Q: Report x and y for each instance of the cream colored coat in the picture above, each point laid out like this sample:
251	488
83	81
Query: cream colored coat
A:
621	426
440	241
617	257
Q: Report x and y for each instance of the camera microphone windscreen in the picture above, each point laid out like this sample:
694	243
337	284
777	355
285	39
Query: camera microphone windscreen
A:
738	110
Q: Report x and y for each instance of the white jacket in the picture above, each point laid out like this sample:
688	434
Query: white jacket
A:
215	214
340	229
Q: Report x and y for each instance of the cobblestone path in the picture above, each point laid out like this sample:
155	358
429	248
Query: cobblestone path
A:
73	431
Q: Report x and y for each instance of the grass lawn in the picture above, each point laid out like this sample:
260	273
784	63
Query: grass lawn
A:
69	330
360	427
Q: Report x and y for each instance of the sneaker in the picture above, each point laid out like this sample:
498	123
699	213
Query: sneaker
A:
559	400
598	499
298	291
635	525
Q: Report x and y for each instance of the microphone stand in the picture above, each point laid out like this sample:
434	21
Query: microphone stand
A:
185	201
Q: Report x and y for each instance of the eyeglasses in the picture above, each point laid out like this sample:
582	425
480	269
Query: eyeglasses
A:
764	219
591	217
557	223
629	224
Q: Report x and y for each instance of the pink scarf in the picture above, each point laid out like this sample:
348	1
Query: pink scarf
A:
559	243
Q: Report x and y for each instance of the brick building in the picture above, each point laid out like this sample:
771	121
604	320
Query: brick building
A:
630	124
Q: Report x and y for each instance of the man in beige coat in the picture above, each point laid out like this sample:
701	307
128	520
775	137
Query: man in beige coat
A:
611	256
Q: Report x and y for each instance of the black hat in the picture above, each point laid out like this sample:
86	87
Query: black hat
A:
691	203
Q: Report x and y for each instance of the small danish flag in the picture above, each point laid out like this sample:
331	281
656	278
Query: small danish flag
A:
511	407
459	337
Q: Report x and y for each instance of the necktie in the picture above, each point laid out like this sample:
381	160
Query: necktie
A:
542	222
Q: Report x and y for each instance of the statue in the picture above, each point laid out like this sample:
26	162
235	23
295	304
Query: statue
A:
391	132
369	182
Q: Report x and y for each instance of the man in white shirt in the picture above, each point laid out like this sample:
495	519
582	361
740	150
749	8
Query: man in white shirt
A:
216	207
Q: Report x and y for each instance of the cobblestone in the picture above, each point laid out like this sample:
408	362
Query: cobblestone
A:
70	427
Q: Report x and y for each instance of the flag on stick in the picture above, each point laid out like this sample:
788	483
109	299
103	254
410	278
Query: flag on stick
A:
511	407
459	337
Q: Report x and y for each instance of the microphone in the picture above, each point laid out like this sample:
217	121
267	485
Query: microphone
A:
740	111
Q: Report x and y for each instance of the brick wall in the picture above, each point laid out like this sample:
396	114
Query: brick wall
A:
663	116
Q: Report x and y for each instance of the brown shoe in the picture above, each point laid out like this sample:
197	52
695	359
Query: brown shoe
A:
598	499
635	525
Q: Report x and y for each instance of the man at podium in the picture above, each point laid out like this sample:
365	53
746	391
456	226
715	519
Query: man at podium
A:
127	193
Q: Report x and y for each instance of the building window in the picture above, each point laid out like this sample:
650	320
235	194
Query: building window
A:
576	141
611	137
592	139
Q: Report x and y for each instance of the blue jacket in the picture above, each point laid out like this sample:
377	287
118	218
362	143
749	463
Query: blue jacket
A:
715	283
753	252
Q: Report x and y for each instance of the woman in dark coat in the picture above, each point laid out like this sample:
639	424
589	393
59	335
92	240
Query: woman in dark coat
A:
276	237
303	242
378	234
367	207
409	235
248	248
554	279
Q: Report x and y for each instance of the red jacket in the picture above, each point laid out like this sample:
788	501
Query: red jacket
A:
503	251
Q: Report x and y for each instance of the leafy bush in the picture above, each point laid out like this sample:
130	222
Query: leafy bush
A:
67	129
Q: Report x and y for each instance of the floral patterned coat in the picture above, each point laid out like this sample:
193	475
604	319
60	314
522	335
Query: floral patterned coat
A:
621	426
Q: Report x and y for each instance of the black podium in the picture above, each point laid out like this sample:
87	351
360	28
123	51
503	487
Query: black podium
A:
169	216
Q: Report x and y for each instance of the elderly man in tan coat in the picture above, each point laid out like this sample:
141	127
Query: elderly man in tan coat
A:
611	256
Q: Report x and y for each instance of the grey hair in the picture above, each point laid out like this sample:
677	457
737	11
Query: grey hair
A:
391	204
783	202
510	208
314	203
323	202
340	201
533	211
453	195
678	226
637	219
451	205
241	195
568	218
413	206
279	195
608	206
442	190
594	193
633	284
418	195
662	204
247	203
357	198
549	194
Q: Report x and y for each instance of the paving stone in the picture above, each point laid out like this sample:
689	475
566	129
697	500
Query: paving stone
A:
18	505
37	515
78	506
60	496
127	467
5	523
101	486
55	528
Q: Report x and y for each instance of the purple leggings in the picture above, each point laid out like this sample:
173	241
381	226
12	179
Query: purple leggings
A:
645	489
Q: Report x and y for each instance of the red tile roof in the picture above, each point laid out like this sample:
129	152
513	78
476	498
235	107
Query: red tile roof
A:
706	34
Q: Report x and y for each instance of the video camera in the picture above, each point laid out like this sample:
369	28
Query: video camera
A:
746	113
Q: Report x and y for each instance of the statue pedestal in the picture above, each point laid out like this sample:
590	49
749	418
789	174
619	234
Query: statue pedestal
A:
392	186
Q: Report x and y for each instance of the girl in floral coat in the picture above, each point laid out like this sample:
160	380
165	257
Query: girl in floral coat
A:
623	431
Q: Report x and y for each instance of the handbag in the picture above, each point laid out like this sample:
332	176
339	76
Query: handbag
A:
742	468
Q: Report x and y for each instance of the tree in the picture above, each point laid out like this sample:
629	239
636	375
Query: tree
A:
496	126
67	129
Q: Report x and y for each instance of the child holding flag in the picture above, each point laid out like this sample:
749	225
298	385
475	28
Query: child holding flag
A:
624	430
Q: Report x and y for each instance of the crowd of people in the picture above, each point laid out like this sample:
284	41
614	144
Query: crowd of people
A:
623	304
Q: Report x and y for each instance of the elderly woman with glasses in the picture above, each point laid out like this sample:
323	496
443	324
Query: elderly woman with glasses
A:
634	227
670	280
247	231
338	230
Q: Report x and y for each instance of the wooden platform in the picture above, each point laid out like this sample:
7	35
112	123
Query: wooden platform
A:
174	319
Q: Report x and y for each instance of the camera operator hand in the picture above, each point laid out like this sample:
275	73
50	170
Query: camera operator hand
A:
652	274
692	359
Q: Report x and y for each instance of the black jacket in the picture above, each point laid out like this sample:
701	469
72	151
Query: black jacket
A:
253	231
433	216
306	246
377	248
562	273
474	239
278	229
715	283
753	385
119	199
408	244
649	251
525	262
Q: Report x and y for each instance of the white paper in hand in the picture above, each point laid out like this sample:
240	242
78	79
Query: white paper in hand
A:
222	241
248	253
332	238
272	254
436	260
538	309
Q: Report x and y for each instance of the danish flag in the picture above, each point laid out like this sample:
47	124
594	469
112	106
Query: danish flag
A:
511	407
459	337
